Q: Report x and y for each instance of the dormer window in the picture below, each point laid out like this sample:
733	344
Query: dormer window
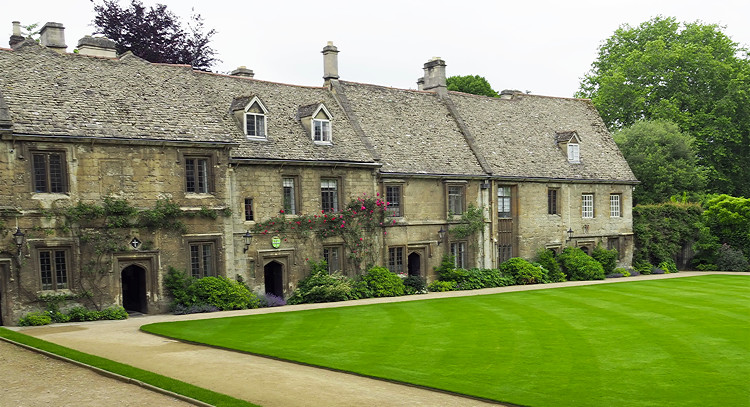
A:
321	131
255	119
573	153
317	120
569	142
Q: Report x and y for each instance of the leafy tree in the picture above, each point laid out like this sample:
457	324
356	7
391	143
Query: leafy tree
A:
691	74
663	159
728	217
473	84
155	34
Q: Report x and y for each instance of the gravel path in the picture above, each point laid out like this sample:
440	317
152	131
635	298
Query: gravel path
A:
31	379
264	381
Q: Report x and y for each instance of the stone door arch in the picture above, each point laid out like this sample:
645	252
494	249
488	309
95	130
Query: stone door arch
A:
133	283
414	264
273	275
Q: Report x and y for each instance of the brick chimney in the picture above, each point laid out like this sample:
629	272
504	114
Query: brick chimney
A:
16	38
243	71
330	62
97	47
52	36
434	76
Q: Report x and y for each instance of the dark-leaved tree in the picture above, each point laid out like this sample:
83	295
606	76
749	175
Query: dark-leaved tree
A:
691	74
155	34
473	84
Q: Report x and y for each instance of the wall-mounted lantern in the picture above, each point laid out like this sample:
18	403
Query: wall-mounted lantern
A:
248	238
19	238
570	234
441	235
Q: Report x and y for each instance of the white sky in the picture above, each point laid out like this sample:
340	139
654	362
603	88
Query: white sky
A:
542	46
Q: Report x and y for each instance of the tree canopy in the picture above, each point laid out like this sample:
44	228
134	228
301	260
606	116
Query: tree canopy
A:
155	34
691	74
662	158
473	84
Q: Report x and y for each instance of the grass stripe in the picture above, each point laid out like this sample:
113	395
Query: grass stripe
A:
675	342
163	382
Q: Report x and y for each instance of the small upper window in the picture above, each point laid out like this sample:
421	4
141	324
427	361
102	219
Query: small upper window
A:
255	119
321	130
574	153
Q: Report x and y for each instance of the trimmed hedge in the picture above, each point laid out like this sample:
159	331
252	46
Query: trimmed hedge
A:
579	266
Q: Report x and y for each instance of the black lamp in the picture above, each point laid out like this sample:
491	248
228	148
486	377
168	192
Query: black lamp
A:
248	237
441	235
570	233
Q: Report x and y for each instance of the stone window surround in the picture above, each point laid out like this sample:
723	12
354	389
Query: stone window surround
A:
295	193
212	161
459	250
553	201
201	241
615	205
248	210
397	259
504	202
588	208
339	193
459	192
38	246
328	250
68	154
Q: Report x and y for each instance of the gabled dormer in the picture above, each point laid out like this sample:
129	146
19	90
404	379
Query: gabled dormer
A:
251	115
569	142
316	119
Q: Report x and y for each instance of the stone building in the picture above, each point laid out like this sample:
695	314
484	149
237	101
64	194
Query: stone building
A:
224	152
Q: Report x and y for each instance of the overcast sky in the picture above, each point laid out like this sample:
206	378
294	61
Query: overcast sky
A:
541	46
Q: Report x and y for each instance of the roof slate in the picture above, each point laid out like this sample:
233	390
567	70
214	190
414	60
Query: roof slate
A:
518	137
74	95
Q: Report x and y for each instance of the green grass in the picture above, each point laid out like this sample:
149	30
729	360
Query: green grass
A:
676	342
167	383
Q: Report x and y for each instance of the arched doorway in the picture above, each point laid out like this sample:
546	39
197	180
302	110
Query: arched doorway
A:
134	289
414	264
273	274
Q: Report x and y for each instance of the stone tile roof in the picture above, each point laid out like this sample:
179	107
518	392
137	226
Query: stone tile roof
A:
518	137
412	131
74	95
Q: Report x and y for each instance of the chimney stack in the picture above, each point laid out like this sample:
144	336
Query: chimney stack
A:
330	62
52	35
16	38
434	76
243	71
97	47
420	83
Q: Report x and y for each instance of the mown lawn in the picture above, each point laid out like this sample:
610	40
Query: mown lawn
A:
676	342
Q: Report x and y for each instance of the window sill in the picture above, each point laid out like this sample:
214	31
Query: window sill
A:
50	195
256	138
194	195
323	143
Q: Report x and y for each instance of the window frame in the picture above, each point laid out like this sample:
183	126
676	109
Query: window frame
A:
460	261
326	131
553	201
615	208
504	201
335	202
208	187
338	250
212	262
574	153
249	210
294	209
61	180
451	199
588	208
55	275
260	112
396	263
394	210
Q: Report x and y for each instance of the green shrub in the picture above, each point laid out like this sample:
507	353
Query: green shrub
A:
35	319
382	283
607	258
57	316
522	272
623	271
643	267
319	286
669	266
662	230
546	258
113	313
731	259
81	314
221	292
176	283
579	266
415	285
441	286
